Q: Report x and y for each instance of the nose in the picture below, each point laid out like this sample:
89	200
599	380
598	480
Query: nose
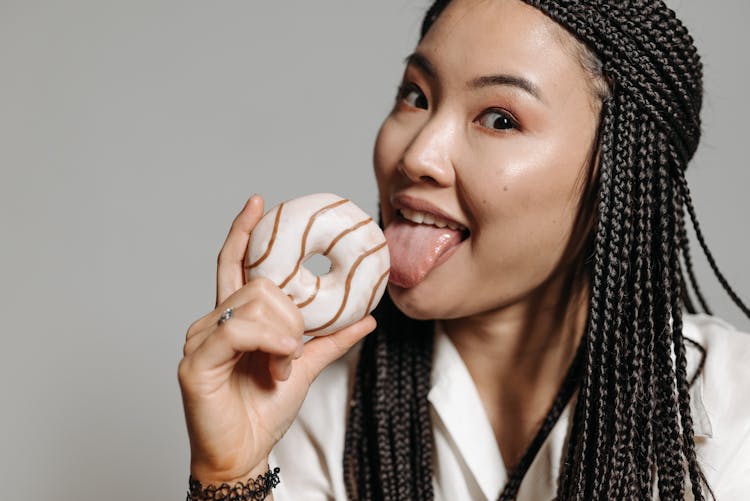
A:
428	157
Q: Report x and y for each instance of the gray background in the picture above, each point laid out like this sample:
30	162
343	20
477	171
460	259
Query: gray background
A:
130	135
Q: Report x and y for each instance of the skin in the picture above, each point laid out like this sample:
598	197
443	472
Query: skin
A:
243	382
514	169
513	299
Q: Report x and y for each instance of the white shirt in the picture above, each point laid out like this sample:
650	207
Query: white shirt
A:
467	462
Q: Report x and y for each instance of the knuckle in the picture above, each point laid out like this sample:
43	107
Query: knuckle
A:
227	332
336	344
183	371
265	285
268	337
189	347
298	321
193	329
222	259
255	310
235	223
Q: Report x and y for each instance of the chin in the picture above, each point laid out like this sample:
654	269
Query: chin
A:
419	302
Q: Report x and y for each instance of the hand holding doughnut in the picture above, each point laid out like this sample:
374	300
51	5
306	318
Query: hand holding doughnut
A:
245	370
326	224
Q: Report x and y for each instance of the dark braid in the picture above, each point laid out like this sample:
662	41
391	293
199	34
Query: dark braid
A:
388	440
632	428
685	192
642	324
684	244
594	395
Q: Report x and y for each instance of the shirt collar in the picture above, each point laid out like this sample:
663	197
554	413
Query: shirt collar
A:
701	422
455	399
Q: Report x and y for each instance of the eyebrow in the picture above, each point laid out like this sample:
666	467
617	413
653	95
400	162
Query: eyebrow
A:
421	62
502	79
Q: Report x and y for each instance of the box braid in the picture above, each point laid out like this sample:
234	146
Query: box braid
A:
632	429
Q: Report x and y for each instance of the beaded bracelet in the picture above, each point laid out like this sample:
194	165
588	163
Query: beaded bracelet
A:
255	489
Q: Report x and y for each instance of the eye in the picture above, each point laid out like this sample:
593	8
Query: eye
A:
412	95
497	119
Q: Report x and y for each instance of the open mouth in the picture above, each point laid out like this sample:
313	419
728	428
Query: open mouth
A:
426	218
420	241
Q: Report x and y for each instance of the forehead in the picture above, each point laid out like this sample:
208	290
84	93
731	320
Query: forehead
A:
478	37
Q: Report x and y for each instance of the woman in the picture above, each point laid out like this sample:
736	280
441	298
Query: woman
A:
538	351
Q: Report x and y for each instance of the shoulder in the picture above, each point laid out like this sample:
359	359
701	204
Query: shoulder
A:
720	407
724	373
727	349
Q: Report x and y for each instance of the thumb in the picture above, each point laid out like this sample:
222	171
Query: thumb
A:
321	351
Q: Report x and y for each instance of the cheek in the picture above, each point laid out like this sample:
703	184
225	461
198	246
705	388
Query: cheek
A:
515	181
390	144
389	147
380	156
528	205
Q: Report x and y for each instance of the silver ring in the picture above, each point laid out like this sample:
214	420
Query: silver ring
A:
225	316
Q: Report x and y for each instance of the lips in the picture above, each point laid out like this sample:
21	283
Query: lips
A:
406	202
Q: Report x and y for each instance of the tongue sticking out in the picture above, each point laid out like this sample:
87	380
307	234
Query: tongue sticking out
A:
415	249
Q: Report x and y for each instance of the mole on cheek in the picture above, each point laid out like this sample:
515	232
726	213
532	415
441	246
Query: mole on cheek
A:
505	188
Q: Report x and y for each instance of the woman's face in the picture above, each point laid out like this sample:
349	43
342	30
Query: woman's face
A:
493	130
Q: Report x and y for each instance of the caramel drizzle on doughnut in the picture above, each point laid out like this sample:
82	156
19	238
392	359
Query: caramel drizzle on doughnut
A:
304	238
338	237
374	290
310	299
344	233
348	286
270	242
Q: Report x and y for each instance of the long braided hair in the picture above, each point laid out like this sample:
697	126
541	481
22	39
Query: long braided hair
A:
632	426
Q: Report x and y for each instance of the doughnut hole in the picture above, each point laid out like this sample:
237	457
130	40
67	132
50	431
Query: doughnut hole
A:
318	264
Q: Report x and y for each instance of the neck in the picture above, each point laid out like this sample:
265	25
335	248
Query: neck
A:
528	345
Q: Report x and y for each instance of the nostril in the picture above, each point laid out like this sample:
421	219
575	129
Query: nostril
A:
429	180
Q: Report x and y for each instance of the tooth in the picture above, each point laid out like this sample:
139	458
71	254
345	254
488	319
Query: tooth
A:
428	219
440	224
418	217
452	226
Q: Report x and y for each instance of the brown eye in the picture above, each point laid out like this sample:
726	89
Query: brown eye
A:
413	96
497	119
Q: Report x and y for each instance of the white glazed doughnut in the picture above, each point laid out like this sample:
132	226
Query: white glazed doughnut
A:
326	224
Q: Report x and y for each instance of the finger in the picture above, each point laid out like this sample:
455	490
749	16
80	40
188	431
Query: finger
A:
258	300
321	351
238	335
230	274
280	367
262	299
256	288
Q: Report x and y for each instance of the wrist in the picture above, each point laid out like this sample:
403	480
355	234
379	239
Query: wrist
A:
254	488
208	475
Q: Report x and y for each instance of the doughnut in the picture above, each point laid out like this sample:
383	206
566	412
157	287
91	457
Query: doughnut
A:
322	223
